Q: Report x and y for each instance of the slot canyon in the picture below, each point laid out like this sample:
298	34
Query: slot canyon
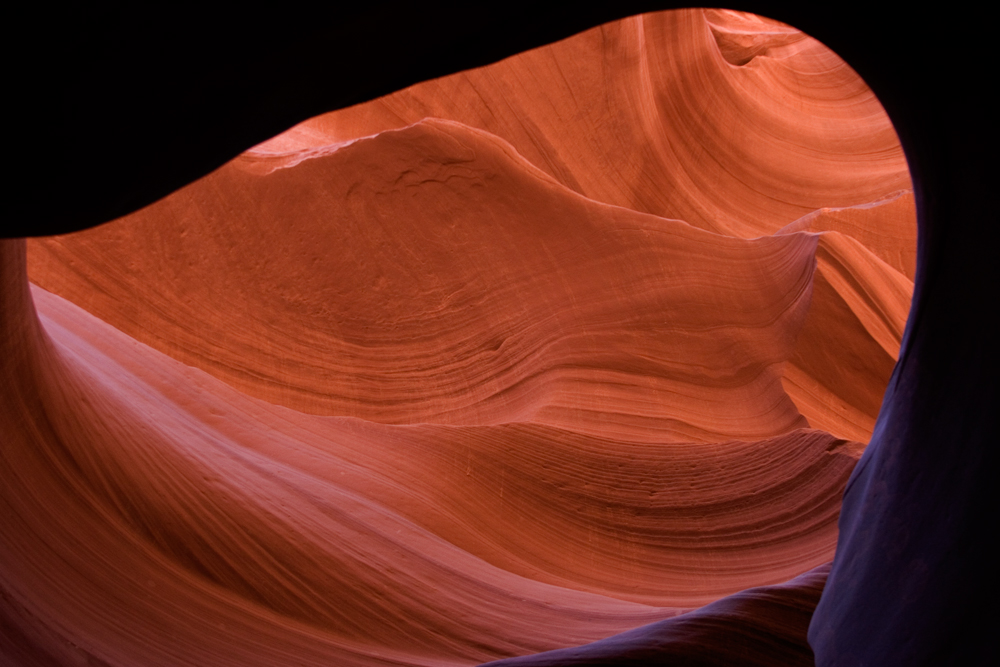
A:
436	337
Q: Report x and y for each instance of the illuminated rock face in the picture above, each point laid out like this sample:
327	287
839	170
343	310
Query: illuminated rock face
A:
505	362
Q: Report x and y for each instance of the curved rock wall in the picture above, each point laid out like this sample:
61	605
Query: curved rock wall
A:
505	362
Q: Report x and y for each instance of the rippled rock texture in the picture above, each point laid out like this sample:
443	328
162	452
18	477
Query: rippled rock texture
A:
505	362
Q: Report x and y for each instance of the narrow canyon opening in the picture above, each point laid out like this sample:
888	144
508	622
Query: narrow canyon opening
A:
504	362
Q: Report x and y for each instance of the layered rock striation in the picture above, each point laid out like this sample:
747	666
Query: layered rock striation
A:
505	362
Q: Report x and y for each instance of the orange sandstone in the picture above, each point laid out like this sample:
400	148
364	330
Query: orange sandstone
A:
507	361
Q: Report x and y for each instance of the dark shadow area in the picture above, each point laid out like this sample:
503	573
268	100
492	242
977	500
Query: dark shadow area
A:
758	627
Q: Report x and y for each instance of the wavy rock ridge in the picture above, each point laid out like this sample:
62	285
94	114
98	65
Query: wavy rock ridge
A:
505	362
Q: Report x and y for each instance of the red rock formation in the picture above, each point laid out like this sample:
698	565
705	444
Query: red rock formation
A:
396	390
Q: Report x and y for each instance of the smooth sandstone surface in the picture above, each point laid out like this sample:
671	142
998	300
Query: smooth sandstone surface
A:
505	362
